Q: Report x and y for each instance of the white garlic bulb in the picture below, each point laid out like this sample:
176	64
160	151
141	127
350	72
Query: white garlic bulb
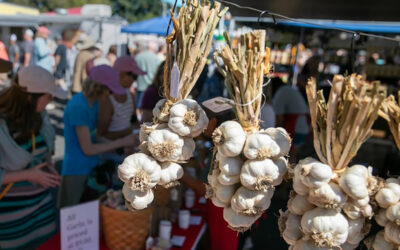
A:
329	195
188	148
250	202
282	138
165	145
380	217
386	197
187	118
237	221
313	173
393	213
298	186
259	175
291	227
170	174
160	111
357	182
229	137
298	204
260	146
230	169
224	193
138	199
380	243
326	227
148	127
392	233
362	202
353	211
140	172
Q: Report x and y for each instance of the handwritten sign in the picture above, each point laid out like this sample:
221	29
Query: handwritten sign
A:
80	226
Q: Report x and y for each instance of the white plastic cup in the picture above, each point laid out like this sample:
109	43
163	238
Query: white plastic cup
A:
165	229
184	219
190	198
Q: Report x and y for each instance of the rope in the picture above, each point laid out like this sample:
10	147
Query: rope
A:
275	15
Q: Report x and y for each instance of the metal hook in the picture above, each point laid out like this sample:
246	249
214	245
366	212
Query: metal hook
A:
261	16
352	51
170	19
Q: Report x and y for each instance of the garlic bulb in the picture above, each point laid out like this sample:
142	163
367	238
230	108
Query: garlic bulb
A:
393	214
212	187
362	202
298	186
160	111
380	217
299	204
250	202
326	227
290	230
313	173
329	195
218	203
357	181
188	148
358	228
187	118
282	164
260	146
282	138
229	137
138	199
170	174
224	193
140	172
259	175
353	211
165	145
147	127
380	243
230	169
386	197
237	221
392	233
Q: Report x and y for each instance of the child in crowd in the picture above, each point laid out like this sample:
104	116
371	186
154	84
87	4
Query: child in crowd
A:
80	124
27	213
117	110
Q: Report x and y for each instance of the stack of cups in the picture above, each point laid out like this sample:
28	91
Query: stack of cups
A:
184	219
189	198
165	230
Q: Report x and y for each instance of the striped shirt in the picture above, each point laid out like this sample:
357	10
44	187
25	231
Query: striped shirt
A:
27	211
122	115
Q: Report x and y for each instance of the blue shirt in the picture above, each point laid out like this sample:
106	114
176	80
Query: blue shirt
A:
78	113
42	54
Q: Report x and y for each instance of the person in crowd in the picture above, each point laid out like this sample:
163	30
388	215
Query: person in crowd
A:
80	125
152	95
3	51
148	61
27	49
116	111
112	55
27	213
97	58
41	50
212	87
60	62
13	52
291	113
86	47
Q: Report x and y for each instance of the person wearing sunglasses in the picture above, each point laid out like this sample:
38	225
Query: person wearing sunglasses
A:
27	210
117	110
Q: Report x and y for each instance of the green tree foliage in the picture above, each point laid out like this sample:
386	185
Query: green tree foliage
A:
132	10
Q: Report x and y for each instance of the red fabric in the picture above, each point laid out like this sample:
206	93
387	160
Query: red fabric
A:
54	243
222	237
290	122
3	51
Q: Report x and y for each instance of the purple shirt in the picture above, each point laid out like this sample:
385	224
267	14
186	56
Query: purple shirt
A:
150	98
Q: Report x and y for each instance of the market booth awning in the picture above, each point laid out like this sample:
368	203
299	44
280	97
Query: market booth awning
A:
157	26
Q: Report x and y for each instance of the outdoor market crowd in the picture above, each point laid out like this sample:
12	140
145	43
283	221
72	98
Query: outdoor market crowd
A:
109	96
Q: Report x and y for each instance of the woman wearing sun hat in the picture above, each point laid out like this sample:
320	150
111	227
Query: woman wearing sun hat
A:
27	212
80	124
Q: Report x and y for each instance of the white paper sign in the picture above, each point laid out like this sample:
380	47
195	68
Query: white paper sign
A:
175	76
178	240
195	220
80	226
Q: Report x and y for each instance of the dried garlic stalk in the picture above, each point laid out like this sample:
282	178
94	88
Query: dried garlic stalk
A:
390	111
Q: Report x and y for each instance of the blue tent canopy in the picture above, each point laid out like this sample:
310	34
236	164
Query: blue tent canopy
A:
157	25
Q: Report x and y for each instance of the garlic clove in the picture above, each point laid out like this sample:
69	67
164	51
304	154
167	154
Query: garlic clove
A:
380	243
229	165
170	174
386	197
380	217
282	164
354	182
393	213
299	204
188	148
282	138
260	146
329	195
313	173
237	221
224	192
225	179
358	228
137	199
289	225
259	175
229	138
392	233
250	202
147	127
